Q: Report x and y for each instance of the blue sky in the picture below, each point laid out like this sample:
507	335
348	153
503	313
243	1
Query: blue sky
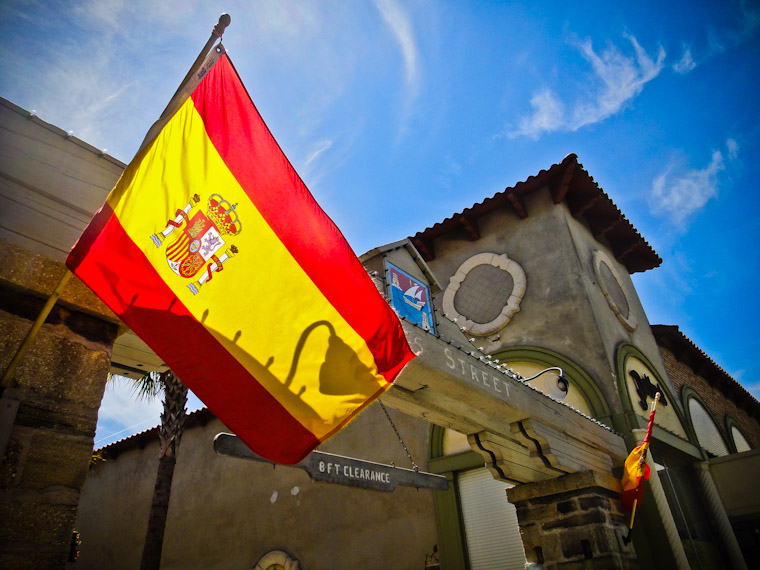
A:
398	114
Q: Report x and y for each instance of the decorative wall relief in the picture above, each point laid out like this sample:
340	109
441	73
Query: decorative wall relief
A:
612	287
642	383
485	293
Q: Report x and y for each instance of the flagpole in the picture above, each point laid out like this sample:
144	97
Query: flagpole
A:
31	335
642	461
216	34
182	92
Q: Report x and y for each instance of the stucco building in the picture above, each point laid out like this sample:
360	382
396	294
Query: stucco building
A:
537	276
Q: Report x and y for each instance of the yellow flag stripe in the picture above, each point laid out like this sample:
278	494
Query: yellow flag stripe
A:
298	353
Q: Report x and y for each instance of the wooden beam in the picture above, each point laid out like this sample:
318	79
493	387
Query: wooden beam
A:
604	230
424	247
518	204
559	191
470	224
587	206
630	249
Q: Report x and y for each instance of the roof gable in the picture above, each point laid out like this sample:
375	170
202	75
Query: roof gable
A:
568	181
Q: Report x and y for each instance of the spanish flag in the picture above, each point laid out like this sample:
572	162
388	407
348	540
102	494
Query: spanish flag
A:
212	250
635	472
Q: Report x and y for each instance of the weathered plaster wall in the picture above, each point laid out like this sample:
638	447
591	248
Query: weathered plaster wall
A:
564	309
555	312
611	331
227	513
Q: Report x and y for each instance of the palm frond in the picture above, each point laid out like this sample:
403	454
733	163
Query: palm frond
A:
148	386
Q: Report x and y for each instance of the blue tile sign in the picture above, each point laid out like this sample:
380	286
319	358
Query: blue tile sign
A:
410	298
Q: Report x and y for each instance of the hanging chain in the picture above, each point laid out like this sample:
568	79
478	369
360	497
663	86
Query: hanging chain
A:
398	435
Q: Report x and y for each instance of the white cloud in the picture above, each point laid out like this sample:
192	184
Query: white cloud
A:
122	413
733	149
401	27
318	148
548	115
678	195
618	79
686	63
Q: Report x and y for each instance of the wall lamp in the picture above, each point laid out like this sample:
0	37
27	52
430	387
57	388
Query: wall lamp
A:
556	388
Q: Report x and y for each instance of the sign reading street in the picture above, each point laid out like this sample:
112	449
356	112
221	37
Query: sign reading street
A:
331	468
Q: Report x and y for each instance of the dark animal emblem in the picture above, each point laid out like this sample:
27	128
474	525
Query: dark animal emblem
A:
646	389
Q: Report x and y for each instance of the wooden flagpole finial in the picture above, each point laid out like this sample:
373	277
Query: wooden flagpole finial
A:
175	101
221	25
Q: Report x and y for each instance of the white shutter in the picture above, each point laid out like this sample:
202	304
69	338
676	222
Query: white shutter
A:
739	440
490	523
707	432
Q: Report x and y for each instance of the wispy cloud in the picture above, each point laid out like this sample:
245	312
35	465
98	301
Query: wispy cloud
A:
618	79
745	25
318	148
400	25
686	63
749	21
123	413
680	194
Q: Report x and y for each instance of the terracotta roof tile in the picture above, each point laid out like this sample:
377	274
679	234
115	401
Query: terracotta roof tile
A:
568	181
684	349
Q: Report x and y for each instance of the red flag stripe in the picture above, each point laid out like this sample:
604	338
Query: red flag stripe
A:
259	165
232	383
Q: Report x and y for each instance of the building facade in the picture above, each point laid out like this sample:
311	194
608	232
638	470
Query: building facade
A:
495	300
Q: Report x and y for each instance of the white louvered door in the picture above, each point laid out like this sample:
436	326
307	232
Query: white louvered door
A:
490	523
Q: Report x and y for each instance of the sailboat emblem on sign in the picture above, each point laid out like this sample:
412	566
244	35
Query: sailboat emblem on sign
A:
413	297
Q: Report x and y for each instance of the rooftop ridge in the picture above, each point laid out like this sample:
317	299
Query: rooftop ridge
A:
567	180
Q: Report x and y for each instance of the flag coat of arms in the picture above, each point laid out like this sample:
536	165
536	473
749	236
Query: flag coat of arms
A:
212	250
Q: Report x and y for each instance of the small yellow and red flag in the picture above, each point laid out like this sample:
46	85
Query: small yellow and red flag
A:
636	471
211	249
634	474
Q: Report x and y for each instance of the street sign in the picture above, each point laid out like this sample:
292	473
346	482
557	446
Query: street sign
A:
340	470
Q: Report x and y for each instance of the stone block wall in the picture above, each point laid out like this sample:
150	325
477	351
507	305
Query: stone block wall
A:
58	387
573	522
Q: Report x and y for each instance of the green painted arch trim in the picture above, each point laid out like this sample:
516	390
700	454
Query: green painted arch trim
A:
733	423
577	375
448	511
435	447
624	351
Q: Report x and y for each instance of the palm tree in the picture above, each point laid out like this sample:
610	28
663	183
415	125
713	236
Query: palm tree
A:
150	386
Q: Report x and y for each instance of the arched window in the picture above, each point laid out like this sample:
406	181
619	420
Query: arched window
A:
740	441
707	432
736	435
583	393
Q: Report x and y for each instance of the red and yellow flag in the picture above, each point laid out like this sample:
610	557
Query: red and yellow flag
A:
212	250
635	472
